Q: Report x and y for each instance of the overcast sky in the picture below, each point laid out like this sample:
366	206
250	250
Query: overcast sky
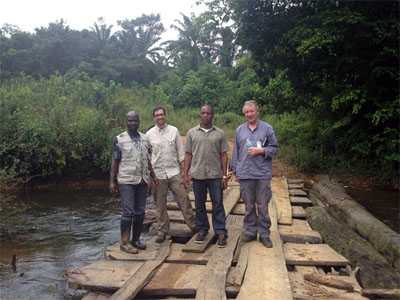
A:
79	14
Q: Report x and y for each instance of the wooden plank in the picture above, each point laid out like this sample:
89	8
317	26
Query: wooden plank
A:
302	201
382	293
297	192
298	224
305	269
180	257
213	282
330	280
143	275
236	274
192	246
102	275
295	235
231	197
313	255
239	209
293	180
174	280
191	197
180	230
298	212
295	186
173	206
305	290
114	252
280	191
266	275
176	255
177	216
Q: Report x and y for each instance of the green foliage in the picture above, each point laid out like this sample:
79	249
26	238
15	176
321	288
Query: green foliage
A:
336	60
49	129
279	93
328	71
64	125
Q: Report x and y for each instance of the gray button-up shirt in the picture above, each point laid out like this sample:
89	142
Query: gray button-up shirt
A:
206	149
246	166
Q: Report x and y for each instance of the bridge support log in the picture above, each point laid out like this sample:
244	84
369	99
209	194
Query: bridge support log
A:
343	207
375	271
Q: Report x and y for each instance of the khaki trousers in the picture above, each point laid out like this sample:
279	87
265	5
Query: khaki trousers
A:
181	197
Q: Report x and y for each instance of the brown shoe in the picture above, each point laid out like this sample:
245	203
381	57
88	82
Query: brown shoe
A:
200	237
127	248
245	238
221	241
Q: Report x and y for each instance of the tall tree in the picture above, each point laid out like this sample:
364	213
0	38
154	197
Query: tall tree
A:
139	37
186	51
342	59
102	33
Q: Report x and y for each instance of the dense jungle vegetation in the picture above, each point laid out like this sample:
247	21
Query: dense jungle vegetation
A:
325	72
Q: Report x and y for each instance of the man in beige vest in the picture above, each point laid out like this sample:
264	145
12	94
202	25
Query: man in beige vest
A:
167	160
131	174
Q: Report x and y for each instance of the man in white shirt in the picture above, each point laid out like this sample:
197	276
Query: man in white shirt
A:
167	161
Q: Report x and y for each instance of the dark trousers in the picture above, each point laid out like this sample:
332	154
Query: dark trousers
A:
256	195
214	187
133	204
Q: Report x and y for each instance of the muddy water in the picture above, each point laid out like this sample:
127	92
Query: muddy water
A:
383	204
49	232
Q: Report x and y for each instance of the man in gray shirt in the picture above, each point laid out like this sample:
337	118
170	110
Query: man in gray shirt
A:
206	165
255	146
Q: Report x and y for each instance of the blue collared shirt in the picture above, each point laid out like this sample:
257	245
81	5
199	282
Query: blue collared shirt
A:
246	166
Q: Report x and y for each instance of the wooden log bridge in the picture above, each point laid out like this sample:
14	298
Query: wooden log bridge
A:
299	266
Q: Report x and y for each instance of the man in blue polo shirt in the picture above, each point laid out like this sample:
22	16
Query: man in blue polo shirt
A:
254	147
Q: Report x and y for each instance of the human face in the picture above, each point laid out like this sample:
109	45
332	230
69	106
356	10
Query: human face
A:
159	118
133	122
206	116
251	113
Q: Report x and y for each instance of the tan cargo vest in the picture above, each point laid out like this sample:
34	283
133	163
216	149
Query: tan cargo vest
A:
133	166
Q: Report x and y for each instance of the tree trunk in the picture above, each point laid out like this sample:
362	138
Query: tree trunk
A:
375	271
343	207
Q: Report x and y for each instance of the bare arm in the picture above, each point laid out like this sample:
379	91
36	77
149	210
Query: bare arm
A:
224	165
113	176
186	167
152	174
150	166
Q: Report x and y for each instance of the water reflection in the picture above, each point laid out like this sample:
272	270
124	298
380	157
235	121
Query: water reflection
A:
49	232
383	204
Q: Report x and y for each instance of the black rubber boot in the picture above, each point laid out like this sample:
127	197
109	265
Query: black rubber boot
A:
136	231
126	225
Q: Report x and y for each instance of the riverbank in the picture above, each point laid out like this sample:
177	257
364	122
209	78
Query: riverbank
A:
381	201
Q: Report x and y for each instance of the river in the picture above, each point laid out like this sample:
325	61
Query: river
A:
55	230
383	204
49	232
